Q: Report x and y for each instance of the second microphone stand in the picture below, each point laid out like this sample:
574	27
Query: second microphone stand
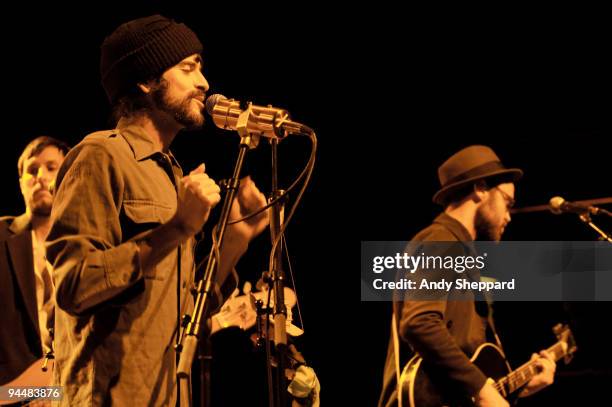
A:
277	279
586	218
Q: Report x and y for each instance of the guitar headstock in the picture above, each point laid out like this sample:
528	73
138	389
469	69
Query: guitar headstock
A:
566	339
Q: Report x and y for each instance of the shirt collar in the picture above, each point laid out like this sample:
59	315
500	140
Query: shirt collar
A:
21	223
140	143
454	226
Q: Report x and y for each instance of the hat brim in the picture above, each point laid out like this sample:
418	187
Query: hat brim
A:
439	197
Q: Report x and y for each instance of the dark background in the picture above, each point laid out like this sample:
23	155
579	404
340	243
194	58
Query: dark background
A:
539	94
391	96
51	86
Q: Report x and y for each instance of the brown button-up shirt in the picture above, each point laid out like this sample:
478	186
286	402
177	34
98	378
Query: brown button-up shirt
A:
115	324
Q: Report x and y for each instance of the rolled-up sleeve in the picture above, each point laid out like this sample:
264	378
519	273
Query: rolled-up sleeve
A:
91	263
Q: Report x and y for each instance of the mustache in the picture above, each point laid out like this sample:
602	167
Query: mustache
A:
197	95
46	186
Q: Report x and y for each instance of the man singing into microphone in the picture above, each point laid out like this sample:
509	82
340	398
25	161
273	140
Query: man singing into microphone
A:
477	193
124	220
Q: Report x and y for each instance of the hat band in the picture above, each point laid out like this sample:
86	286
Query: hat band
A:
482	169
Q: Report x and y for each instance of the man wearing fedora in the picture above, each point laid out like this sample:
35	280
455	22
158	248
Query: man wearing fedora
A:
477	193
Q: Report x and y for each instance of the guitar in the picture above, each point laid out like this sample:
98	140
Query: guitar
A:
420	386
38	374
240	310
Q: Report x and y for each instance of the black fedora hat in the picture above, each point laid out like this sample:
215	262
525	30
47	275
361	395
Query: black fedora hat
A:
471	164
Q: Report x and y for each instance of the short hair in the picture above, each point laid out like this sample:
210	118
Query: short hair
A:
36	146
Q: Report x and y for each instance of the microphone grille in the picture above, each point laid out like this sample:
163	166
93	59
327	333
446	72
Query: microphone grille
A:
555	204
212	100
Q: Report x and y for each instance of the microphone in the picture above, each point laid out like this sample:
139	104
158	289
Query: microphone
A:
558	205
267	121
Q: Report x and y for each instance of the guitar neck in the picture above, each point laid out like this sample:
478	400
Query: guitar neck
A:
521	376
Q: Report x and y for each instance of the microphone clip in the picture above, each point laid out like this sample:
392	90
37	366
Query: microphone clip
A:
242	127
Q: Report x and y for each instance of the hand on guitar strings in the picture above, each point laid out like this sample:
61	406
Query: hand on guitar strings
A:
546	366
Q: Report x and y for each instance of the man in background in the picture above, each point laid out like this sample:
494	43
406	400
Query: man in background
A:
26	289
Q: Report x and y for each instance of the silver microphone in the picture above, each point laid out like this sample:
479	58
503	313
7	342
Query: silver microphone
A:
558	205
265	121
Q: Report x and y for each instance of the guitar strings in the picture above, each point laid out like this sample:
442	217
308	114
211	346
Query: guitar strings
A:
512	379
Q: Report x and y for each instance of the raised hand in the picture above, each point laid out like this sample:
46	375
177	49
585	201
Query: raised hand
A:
198	194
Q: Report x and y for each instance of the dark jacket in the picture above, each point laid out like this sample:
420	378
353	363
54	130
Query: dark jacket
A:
442	332
20	336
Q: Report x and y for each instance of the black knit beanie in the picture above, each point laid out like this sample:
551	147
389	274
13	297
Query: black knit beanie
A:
143	49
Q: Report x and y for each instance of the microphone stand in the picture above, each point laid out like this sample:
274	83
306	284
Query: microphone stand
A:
189	338
586	218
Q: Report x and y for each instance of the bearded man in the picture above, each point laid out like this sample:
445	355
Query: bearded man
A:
122	240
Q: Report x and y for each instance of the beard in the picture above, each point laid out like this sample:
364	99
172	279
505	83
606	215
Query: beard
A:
486	228
41	207
180	109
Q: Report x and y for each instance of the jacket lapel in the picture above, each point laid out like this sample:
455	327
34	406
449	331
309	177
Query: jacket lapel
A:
21	255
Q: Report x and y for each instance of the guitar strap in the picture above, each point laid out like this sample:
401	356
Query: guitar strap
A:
483	299
491	324
396	347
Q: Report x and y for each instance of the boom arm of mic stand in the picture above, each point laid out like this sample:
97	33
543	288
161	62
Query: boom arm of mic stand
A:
189	340
586	218
602	211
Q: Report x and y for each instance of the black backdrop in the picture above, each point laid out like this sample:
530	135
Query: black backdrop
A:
539	95
390	101
52	86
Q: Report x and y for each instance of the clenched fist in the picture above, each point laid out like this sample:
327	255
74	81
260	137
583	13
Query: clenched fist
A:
198	194
248	200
